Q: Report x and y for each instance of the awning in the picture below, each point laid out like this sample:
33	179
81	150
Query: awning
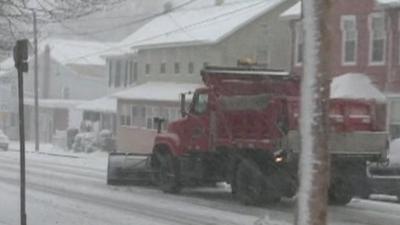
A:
105	104
54	103
157	91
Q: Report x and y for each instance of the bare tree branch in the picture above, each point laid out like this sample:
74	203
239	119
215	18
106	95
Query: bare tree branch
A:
16	15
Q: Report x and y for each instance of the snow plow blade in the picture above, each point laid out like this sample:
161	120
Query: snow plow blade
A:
129	168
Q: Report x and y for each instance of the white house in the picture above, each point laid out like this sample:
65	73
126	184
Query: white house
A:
176	45
69	71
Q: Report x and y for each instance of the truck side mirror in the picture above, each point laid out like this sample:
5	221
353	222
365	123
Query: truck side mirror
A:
183	105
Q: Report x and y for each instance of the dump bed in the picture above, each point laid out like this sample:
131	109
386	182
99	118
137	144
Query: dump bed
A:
260	108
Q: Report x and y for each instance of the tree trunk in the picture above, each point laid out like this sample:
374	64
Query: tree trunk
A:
314	159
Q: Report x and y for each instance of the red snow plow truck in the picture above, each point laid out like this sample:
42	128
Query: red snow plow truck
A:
243	128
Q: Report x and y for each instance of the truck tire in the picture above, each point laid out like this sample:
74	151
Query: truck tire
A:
340	192
168	173
251	187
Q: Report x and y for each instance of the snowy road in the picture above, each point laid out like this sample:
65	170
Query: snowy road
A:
66	190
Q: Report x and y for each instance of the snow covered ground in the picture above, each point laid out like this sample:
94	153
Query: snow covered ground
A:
69	188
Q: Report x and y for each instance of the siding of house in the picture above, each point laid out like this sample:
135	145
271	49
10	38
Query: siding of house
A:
138	138
266	32
269	33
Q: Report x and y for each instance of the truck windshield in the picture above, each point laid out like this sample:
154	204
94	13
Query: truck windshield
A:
200	103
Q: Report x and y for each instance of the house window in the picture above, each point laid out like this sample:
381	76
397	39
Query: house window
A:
151	113
134	74
263	56
349	39
117	73
125	116
377	38
173	114
147	69
126	73
299	43
176	68
110	72
164	114
65	93
163	68
138	116
130	72
13	119
191	67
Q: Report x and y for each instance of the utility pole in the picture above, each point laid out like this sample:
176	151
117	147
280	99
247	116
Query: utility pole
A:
36	95
20	58
314	159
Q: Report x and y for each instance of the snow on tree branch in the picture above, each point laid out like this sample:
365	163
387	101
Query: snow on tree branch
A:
16	15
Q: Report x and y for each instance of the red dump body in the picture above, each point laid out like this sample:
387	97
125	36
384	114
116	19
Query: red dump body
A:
257	109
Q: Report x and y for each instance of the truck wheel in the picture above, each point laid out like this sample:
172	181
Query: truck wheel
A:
340	192
168	173
251	187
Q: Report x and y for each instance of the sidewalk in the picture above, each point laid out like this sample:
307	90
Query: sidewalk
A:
52	150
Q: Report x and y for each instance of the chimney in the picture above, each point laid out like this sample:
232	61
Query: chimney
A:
167	7
219	2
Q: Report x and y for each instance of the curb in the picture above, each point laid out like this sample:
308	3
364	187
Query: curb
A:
46	153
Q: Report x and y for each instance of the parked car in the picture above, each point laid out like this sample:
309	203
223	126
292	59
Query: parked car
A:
4	141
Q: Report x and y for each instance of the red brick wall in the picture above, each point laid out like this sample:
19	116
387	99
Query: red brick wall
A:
378	73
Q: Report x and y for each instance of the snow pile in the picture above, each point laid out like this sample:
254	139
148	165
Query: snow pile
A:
266	220
388	3
355	86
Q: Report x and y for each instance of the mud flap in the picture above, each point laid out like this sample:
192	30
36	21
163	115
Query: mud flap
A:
129	168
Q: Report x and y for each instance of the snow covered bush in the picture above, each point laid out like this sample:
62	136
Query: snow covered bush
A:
85	142
106	141
93	141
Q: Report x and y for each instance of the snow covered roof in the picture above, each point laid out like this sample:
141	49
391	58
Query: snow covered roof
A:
70	52
157	91
293	12
200	22
355	86
388	3
54	103
106	104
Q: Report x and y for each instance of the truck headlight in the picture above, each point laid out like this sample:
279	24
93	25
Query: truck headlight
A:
279	159
279	156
